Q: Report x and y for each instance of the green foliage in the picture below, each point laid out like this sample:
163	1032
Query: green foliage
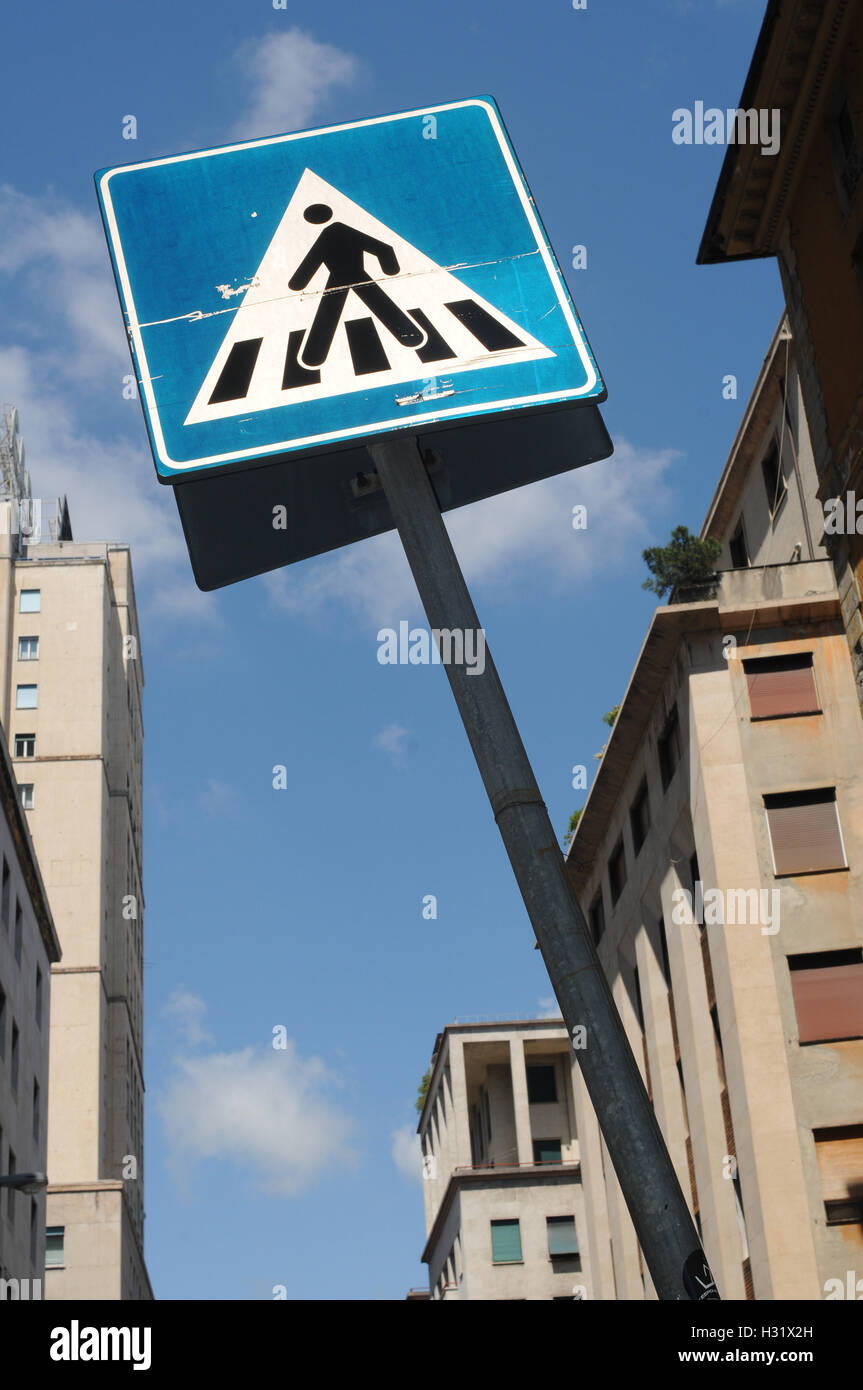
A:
685	560
570	829
611	716
422	1092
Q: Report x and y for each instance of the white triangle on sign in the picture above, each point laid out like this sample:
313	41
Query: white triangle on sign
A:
435	324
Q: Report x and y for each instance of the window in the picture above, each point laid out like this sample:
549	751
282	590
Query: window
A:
596	918
617	871
737	548
30	601
38	996
804	832
541	1086
669	749
27	697
781	686
25	745
14	1058
774	482
19	930
36	1110
840	1163
561	1235
639	817
55	1240
505	1242
27	796
546	1151
828	994
28	648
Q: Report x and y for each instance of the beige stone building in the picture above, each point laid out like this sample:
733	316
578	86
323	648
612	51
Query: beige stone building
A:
719	860
28	949
803	205
70	702
504	1207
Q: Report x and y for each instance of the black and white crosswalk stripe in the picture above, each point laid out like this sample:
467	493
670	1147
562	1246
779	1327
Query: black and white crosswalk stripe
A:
368	354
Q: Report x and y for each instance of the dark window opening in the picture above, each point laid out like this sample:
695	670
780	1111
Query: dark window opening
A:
639	817
617	871
774	481
541	1085
596	918
737	548
669	749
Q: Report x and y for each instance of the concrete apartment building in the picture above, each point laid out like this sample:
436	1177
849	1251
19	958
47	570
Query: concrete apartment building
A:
504	1207
70	702
28	949
804	205
719	861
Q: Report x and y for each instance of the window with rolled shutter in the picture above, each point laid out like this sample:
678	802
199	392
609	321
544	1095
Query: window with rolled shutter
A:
505	1242
840	1165
780	686
561	1235
804	832
828	995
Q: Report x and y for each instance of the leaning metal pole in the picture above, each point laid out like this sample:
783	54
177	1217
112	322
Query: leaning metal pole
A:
641	1161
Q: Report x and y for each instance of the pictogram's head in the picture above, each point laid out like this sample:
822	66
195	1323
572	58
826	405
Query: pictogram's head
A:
318	212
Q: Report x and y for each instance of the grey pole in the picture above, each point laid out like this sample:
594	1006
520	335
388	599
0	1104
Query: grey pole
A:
644	1169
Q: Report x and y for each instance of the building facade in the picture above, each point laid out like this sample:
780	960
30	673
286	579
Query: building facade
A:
804	205
719	862
504	1207
28	950
71	683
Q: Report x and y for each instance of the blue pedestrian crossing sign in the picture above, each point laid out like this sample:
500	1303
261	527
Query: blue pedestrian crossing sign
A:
298	296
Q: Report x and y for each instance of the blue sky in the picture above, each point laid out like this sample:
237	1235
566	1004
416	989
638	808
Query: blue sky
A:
302	908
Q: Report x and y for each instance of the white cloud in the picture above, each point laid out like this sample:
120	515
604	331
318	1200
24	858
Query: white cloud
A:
504	540
58	255
112	492
394	740
549	1008
267	1111
290	76
217	798
187	1010
406	1152
66	373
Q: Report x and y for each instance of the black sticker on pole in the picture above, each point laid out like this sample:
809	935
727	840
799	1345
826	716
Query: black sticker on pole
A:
697	1279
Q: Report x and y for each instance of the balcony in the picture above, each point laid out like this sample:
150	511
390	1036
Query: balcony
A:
757	584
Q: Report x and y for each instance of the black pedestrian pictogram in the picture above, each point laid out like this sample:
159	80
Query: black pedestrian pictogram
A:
340	249
298	336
